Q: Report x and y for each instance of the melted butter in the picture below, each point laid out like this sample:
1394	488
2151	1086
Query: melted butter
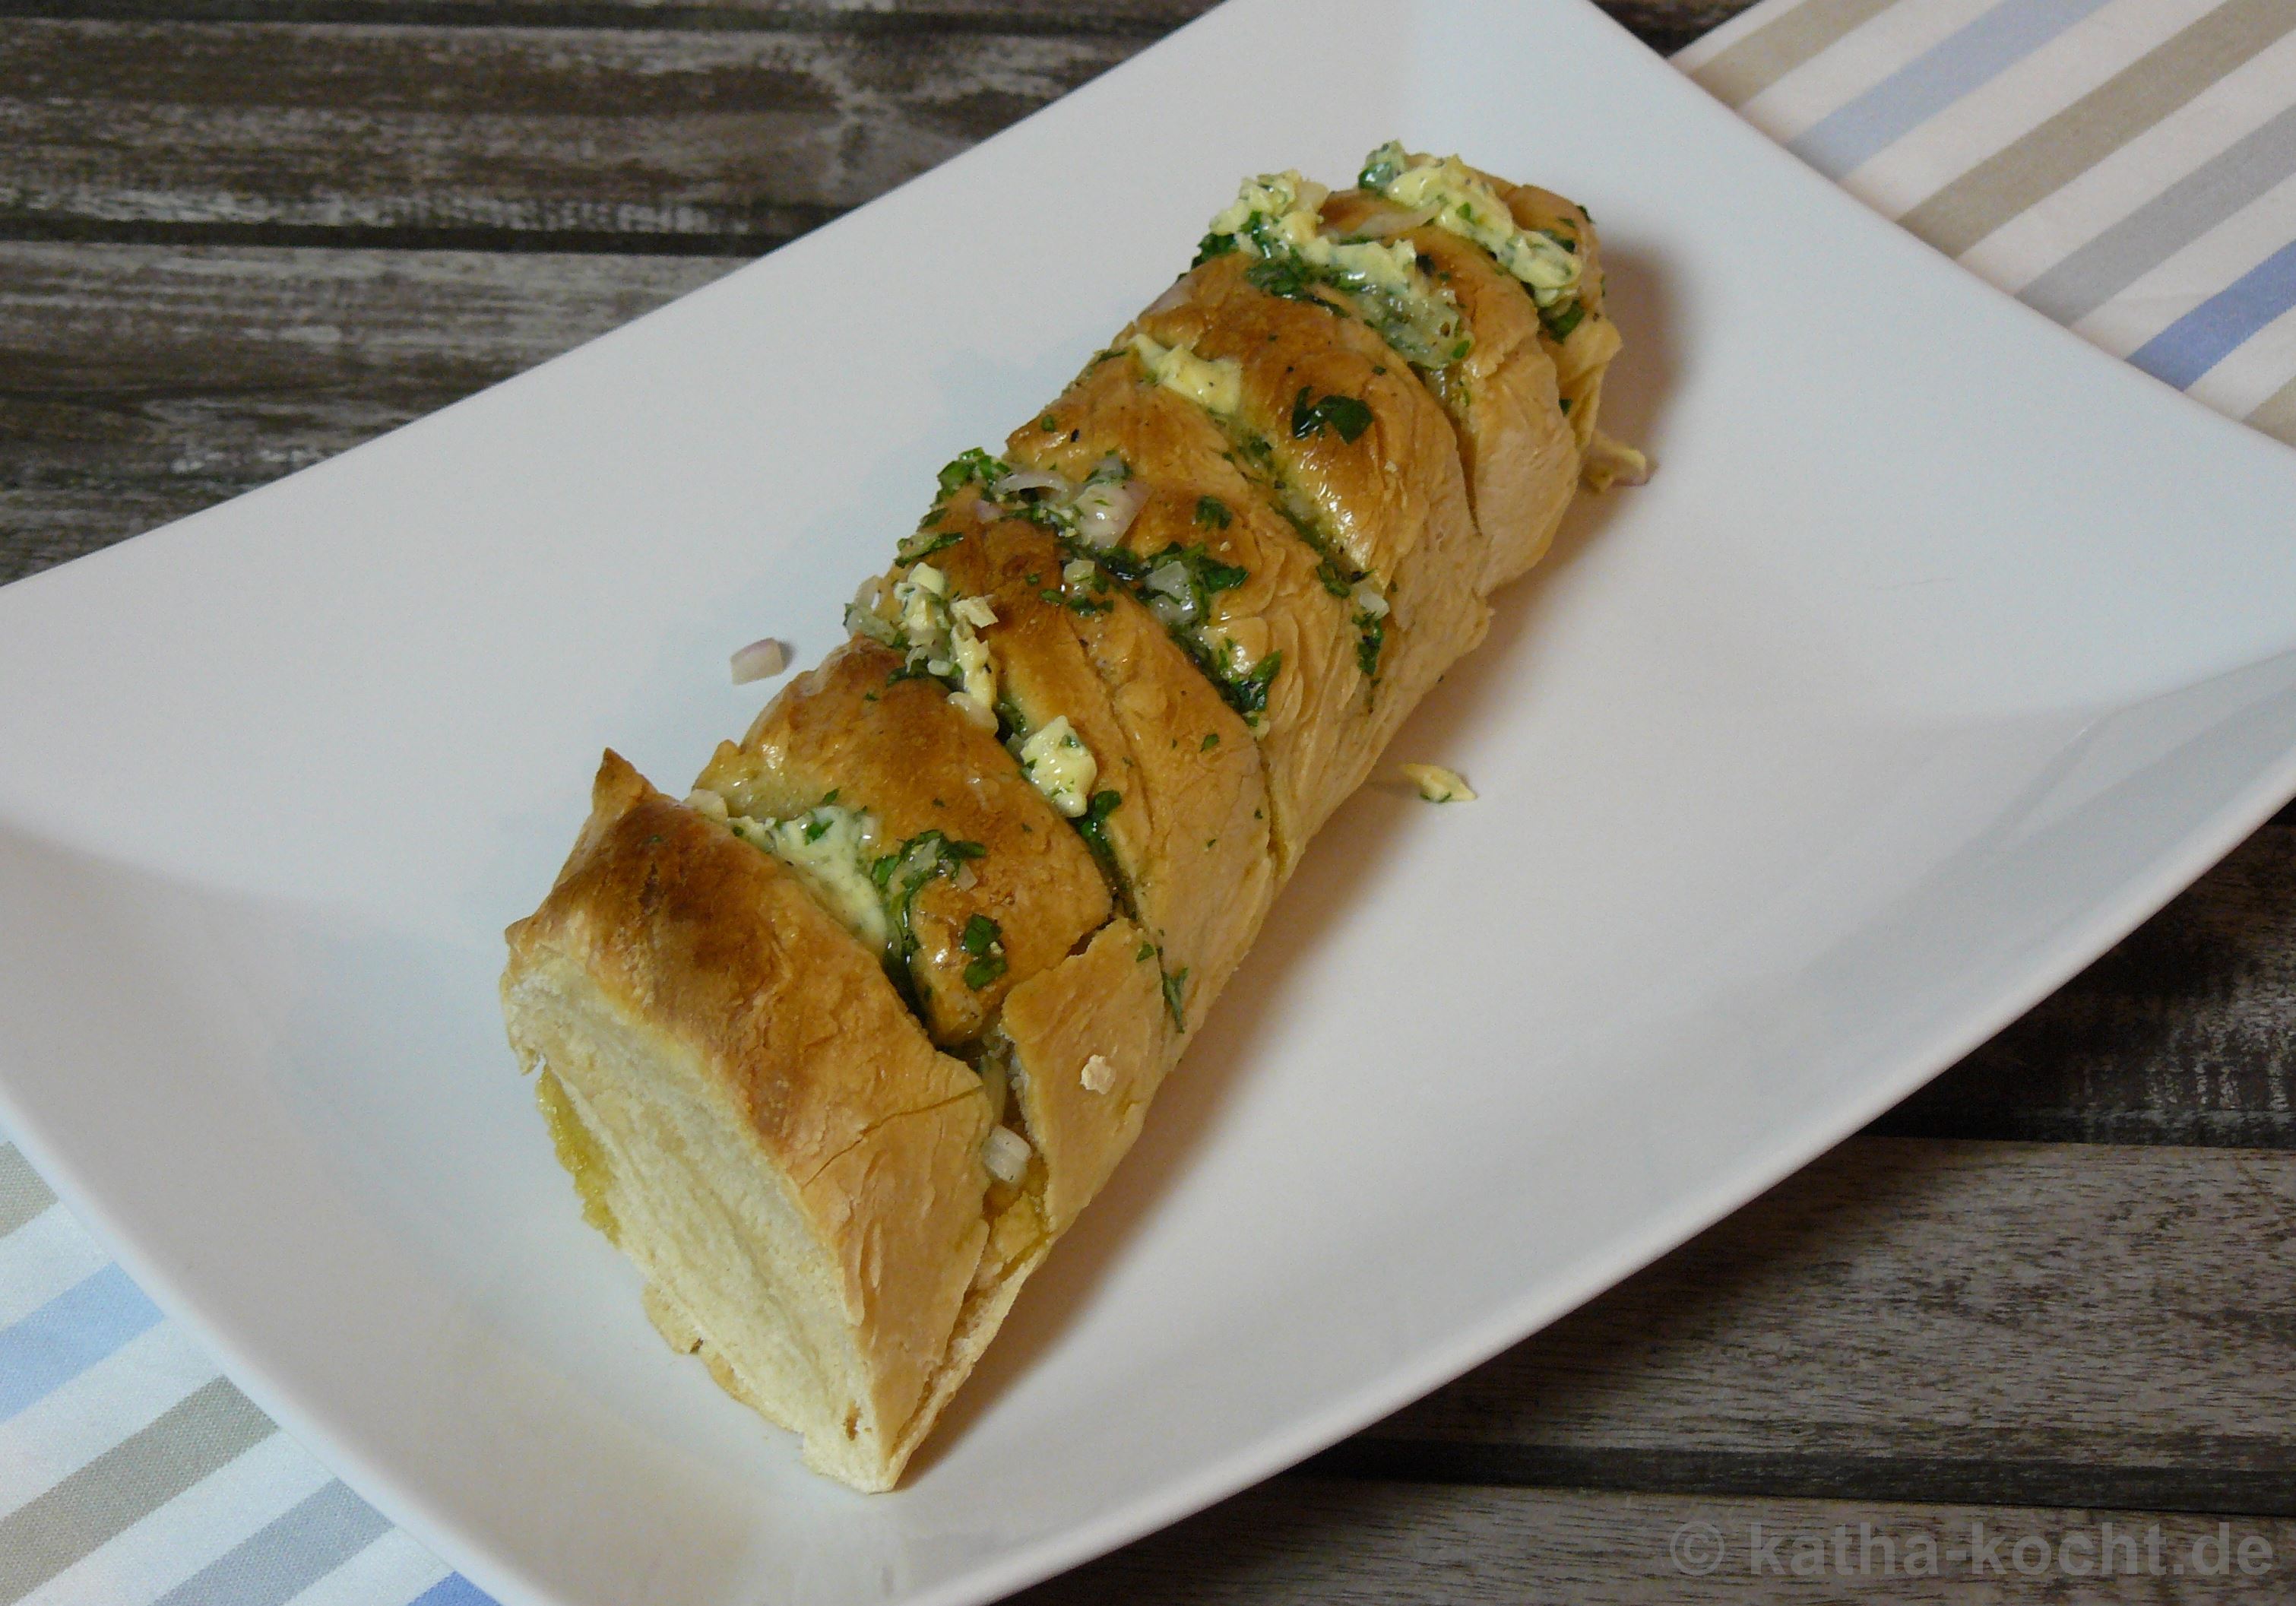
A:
1060	766
1465	205
1278	215
1215	384
579	1152
831	848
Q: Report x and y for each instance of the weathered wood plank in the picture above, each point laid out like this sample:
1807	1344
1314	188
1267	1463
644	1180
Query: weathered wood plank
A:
478	137
140	383
1665	25
1147	18
1346	1544
436	136
1918	1320
2183	1033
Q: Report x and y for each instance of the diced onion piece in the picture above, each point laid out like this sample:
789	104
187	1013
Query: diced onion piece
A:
1438	785
1077	571
702	800
1105	512
926	578
1098	1075
1032	480
1005	1153
759	661
977	611
1171	577
1367	598
1610	462
1389	225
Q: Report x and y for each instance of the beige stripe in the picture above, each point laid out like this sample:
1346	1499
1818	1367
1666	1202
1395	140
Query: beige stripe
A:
23	1195
2277	417
1776	48
2102	121
209	1427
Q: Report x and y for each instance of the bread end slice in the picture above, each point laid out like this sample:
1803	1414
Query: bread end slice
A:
755	1118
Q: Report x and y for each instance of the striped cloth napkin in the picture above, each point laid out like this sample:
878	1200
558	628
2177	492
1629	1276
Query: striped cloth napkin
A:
132	1471
2127	166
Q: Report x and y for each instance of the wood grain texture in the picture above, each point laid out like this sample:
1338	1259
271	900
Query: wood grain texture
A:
2183	1033
1664	25
1150	18
1920	1320
132	124
1348	1544
141	383
570	138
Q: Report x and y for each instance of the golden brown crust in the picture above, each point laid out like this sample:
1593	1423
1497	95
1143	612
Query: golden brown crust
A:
897	747
1091	1042
1515	444
1318	701
1581	358
665	927
1394	499
1189	833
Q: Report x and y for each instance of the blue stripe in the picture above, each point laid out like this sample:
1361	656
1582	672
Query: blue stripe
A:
69	1334
1845	138
2205	336
453	1590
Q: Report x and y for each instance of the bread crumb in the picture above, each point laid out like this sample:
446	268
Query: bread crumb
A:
1438	785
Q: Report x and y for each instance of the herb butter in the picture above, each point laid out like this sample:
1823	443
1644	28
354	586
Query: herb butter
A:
939	630
831	850
1465	204
1215	384
1059	765
1277	217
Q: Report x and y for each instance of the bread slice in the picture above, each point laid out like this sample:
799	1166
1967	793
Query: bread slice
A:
756	1121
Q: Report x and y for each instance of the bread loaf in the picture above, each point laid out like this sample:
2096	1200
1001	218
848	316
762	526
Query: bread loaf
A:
837	1046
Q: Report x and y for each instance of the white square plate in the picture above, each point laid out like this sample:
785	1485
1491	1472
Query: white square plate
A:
1941	651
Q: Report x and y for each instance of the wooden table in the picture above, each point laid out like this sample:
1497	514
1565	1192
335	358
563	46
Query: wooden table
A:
237	236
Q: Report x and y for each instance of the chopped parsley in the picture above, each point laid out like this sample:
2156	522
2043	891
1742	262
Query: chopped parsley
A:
1210	741
900	875
974	467
1371	636
1347	417
1092	824
928	539
1212	513
1176	986
1560	321
1289	277
1212	246
984	940
1249	695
